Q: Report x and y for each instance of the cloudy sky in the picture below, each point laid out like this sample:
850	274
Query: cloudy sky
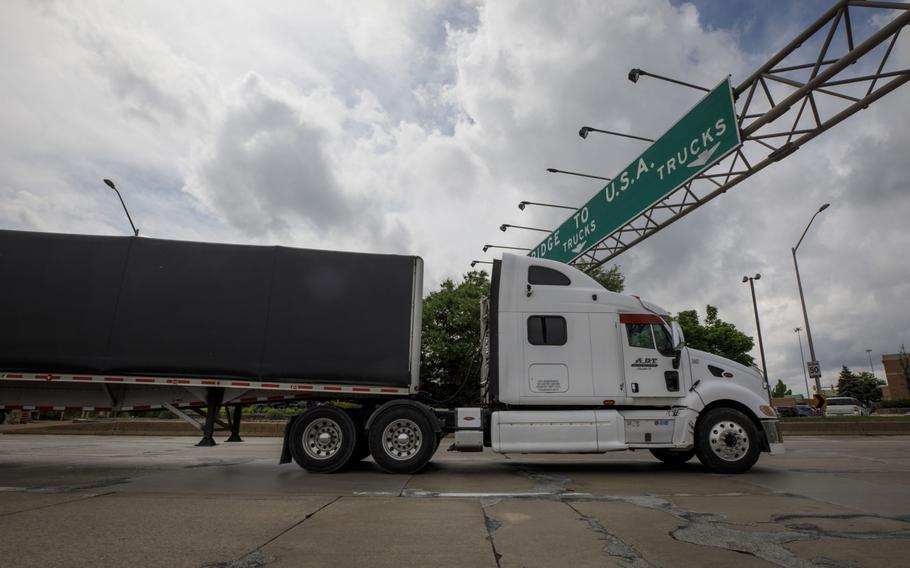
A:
417	127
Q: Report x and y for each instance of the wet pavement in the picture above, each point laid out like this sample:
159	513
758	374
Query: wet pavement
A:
160	501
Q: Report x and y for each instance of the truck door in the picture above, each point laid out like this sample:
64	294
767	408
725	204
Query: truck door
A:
648	357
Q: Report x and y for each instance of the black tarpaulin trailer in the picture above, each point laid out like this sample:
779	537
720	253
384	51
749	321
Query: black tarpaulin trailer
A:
264	323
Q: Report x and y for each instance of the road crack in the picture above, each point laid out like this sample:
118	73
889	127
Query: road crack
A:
627	554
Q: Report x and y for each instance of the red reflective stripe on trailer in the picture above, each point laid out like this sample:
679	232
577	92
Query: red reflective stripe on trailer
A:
270	385
236	384
248	399
210	382
113	379
388	390
360	389
640	318
332	388
142	380
82	378
197	403
17	376
304	387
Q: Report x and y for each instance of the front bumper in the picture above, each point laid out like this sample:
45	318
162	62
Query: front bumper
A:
774	440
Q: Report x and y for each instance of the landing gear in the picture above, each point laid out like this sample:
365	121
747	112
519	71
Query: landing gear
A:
234	423
214	396
727	441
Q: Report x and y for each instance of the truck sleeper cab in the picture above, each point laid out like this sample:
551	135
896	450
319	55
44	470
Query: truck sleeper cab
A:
573	368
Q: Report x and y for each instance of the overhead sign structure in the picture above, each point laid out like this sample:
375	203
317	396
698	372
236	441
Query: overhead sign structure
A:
700	139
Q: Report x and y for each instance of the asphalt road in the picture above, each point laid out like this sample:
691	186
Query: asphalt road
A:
159	501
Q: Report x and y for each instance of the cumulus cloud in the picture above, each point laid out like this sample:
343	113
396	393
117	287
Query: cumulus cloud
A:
417	127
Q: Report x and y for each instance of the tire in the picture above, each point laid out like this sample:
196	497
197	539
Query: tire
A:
673	457
402	440
727	441
323	440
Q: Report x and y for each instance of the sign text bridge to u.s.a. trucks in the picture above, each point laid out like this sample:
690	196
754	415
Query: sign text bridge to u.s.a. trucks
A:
701	138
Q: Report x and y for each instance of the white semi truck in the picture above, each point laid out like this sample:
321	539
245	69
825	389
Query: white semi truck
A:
114	323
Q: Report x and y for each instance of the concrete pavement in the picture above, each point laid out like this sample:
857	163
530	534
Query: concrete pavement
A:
160	501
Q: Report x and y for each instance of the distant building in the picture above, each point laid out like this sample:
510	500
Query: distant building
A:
896	374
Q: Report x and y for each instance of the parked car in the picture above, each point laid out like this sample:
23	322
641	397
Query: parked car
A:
796	410
805	410
844	406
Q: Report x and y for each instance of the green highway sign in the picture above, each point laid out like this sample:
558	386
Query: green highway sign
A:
700	139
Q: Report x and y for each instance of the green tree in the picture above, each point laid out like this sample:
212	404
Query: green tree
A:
864	386
715	335
449	355
780	390
612	279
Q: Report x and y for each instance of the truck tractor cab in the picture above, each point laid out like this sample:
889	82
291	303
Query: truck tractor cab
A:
577	368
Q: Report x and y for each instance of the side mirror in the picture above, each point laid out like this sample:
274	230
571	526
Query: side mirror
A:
677	336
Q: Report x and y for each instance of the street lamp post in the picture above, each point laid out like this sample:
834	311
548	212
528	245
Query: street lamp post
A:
111	185
869	353
802	358
761	344
487	247
555	171
523	204
634	75
802	299
506	226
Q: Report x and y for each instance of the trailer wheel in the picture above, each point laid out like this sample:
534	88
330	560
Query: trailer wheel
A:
673	457
402	440
727	441
323	439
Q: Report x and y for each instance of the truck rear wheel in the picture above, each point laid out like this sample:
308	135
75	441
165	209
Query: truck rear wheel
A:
673	457
402	440
323	439
727	441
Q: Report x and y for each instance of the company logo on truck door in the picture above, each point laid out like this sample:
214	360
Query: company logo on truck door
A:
700	139
645	363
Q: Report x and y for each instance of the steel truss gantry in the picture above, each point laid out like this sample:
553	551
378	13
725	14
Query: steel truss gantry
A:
796	95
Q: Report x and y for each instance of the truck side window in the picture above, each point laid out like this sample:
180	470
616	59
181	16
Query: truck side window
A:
650	336
547	330
640	335
541	275
663	340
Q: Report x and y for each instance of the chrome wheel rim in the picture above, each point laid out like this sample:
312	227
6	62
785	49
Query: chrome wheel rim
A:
402	439
729	441
322	439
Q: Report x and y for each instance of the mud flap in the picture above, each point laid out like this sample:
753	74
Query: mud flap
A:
286	446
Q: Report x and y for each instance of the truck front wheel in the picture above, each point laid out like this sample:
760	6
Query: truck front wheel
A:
727	441
402	440
323	440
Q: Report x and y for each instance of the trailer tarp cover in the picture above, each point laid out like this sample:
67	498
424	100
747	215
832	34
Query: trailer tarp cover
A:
139	306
